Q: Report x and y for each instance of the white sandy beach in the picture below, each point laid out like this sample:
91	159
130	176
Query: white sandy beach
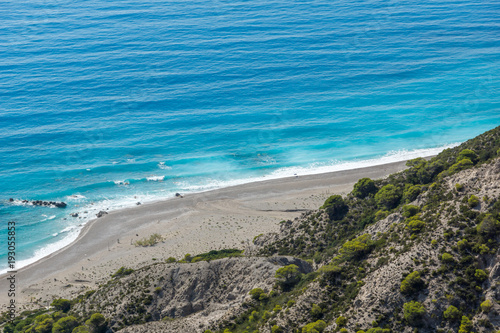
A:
224	218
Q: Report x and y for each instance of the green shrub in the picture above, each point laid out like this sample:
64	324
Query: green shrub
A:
44	326
266	316
255	293
421	171
473	201
415	226
410	210
316	311
170	260
413	312
276	329
152	240
381	214
65	325
412	283
217	254
335	207
486	306
277	308
483	249
459	166
465	325
459	187
411	193
467	154
447	258
388	196
9	328
318	326
463	245
81	329
364	187
356	248
61	304
341	321
480	275
97	323
452	313
489	226
288	276
122	271
378	330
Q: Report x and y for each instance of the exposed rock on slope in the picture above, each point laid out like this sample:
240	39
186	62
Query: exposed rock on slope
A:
203	292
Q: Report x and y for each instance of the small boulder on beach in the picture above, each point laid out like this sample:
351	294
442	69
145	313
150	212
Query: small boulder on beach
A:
101	213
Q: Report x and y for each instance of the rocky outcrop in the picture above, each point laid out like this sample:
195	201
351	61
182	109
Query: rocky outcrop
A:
101	213
203	293
42	203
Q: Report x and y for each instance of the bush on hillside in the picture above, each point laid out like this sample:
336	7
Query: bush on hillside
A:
461	165
411	193
413	312
356	248
388	197
65	325
465	325
335	207
486	306
473	201
415	225
364	187
467	154
489	226
288	276
318	326
61	304
452	313
412	283
410	210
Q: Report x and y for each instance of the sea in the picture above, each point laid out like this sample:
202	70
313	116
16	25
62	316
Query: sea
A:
106	103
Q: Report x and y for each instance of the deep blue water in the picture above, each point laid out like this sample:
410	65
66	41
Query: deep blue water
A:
97	97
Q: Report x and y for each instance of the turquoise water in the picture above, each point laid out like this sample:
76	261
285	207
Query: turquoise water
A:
107	103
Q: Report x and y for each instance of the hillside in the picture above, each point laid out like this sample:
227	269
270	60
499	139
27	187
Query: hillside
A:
416	251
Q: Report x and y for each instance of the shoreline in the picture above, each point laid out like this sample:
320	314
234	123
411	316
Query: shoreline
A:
281	173
102	245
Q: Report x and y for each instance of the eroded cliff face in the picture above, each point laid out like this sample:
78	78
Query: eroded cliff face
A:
184	297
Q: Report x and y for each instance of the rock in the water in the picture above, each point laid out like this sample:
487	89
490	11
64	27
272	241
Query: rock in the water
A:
101	213
44	203
138	203
11	199
74	214
179	195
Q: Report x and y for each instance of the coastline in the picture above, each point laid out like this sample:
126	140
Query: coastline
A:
199	222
